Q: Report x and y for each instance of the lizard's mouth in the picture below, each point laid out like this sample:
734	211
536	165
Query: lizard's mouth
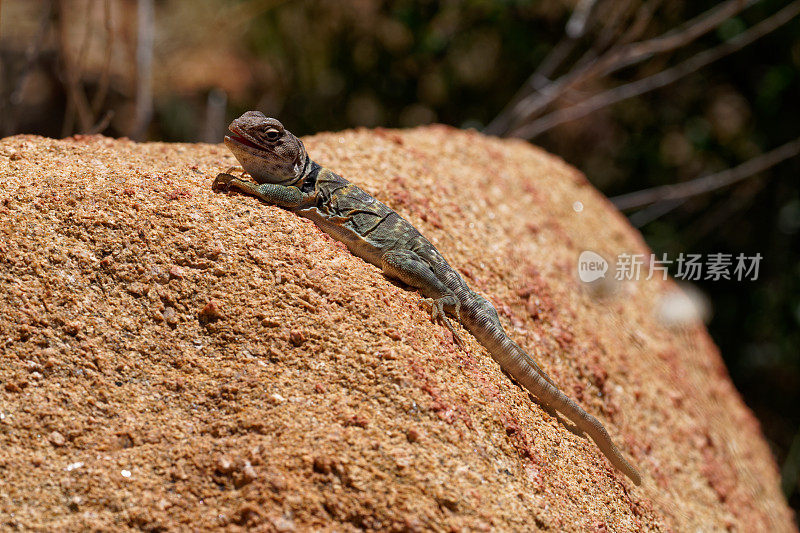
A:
240	139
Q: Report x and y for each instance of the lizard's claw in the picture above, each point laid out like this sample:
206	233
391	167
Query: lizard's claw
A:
438	315
437	309
453	332
223	180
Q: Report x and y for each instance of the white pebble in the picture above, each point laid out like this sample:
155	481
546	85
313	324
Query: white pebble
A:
277	398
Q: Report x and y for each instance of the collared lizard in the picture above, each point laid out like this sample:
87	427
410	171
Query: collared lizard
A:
286	176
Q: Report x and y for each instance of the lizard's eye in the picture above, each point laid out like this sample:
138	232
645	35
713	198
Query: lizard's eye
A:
272	134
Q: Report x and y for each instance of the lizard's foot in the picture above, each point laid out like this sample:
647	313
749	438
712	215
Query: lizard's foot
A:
456	336
223	180
437	308
227	181
449	302
438	315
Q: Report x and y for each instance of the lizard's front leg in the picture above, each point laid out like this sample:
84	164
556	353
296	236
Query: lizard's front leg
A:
289	197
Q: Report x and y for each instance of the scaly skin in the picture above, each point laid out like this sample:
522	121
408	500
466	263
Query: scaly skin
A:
287	177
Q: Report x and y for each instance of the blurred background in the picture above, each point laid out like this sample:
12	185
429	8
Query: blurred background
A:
693	106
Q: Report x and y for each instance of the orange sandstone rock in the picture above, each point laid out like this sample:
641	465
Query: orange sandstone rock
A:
174	357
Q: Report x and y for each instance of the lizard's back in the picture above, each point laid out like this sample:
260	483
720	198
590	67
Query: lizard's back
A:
367	226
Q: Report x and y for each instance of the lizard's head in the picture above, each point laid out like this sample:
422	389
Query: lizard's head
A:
266	151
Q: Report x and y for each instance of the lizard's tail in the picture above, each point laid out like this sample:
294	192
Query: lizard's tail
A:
480	318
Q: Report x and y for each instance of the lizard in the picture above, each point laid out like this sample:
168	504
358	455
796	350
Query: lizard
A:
286	176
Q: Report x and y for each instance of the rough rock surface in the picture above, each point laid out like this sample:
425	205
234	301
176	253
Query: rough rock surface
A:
178	358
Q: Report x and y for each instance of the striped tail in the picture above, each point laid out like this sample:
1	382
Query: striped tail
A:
480	318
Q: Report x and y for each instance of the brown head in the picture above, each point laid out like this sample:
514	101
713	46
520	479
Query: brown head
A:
266	151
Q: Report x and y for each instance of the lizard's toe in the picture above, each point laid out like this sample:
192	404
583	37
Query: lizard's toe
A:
437	308
223	180
434	309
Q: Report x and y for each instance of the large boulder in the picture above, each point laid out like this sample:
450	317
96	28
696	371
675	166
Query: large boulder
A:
175	358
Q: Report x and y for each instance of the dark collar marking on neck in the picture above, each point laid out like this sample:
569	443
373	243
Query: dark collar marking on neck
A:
310	181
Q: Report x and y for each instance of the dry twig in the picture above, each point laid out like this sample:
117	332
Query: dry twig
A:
105	76
144	67
708	183
661	79
31	55
77	102
534	99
